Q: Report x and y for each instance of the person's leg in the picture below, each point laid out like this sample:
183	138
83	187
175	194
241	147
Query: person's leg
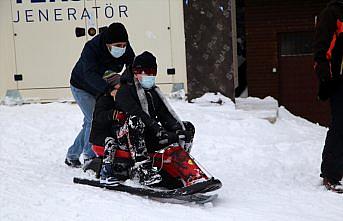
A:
75	150
116	164
86	102
137	143
332	164
81	144
87	110
136	136
106	174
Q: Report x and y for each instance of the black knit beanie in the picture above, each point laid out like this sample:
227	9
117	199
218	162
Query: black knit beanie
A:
145	60
116	32
111	78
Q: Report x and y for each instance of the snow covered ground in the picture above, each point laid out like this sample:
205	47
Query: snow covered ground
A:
269	171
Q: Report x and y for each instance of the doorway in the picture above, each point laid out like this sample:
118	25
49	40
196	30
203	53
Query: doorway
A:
297	81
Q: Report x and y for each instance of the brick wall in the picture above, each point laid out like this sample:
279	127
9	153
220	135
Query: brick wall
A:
264	20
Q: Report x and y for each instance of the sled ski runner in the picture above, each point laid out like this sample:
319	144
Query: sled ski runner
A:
192	193
183	180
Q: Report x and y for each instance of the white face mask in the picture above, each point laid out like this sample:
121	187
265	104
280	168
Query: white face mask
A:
148	82
117	52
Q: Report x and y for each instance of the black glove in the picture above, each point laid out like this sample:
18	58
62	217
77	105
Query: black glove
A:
327	89
167	138
324	91
184	135
154	127
323	71
175	127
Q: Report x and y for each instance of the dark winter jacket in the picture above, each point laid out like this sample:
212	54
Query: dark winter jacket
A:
94	61
103	124
328	42
127	100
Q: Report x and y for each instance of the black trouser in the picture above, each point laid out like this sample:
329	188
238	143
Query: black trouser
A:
332	164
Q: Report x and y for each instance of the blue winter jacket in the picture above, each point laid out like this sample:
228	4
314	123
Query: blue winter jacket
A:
95	60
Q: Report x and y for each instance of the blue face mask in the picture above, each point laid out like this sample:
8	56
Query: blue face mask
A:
117	51
147	82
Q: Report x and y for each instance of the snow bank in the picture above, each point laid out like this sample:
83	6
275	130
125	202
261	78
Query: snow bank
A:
269	171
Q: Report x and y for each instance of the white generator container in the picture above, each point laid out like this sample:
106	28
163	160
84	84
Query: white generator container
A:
39	45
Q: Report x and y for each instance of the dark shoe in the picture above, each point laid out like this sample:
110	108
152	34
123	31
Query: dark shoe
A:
93	164
332	185
107	176
73	163
146	174
168	181
112	173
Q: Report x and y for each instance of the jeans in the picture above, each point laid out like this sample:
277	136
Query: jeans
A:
81	145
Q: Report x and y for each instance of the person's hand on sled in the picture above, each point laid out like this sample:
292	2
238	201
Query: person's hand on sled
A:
166	138
324	76
184	135
181	133
323	71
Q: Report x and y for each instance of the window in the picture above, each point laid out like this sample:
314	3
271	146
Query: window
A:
296	43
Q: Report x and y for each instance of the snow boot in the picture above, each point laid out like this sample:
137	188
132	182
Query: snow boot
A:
107	177
146	173
73	163
332	185
116	165
116	170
